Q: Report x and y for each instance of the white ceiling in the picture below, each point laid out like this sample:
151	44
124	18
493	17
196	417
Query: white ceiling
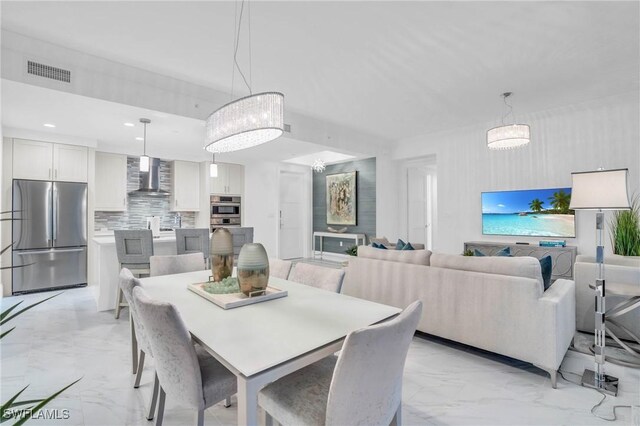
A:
394	69
102	123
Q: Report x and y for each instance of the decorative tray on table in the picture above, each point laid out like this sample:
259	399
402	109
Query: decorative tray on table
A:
235	300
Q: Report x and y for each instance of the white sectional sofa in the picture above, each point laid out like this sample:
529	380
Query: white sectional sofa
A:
493	303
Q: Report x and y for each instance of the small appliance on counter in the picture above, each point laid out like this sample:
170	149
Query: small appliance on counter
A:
153	223
225	211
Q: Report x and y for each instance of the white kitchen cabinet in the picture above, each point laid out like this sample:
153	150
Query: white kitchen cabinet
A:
32	160
69	163
230	179
185	187
111	182
49	161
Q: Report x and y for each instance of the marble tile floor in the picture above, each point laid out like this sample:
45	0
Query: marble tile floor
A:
444	383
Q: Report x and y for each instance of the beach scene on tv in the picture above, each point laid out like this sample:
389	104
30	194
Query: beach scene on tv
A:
533	213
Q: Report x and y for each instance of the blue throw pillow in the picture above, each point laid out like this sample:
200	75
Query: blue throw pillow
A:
407	246
505	252
378	246
399	244
546	267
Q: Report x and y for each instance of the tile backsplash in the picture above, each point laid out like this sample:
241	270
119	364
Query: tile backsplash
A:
140	206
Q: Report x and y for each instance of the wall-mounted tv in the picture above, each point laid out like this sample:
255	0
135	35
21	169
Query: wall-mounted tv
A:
531	213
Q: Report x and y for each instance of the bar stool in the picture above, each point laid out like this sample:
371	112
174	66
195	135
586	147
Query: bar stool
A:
134	248
193	241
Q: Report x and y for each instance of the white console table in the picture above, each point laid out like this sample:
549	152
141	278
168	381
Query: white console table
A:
322	235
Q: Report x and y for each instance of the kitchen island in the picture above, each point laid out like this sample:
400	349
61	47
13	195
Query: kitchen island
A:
104	267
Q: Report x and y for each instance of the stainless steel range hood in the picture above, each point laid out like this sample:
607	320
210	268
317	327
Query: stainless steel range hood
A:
150	181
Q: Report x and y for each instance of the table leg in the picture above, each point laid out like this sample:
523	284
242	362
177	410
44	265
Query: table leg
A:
313	247
321	246
247	402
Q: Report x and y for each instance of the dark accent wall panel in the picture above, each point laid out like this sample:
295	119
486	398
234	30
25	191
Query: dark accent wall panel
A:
366	199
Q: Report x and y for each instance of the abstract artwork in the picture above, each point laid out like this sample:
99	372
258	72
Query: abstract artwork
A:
341	198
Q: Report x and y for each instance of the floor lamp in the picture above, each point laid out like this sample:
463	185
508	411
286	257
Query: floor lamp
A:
600	190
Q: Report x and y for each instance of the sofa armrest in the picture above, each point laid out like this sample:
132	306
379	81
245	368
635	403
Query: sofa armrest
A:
559	305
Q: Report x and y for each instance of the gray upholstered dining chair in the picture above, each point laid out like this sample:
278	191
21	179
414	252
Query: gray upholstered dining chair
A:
363	385
134	248
139	339
190	376
329	279
175	264
193	241
279	268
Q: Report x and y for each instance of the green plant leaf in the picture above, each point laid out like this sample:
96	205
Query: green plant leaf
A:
9	403
16	266
5	313
7	248
4	320
6	332
43	403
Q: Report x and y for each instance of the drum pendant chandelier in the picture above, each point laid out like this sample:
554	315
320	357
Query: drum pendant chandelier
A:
508	136
248	121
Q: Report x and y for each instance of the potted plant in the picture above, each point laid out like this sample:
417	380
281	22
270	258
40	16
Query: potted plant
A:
625	229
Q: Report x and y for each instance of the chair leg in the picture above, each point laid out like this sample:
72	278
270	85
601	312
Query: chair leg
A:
118	302
160	407
154	397
136	385
397	419
227	402
134	345
200	420
268	420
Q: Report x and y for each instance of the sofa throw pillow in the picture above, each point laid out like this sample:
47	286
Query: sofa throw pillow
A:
546	267
400	244
407	246
378	246
505	252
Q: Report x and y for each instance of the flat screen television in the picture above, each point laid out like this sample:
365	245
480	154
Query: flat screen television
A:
530	213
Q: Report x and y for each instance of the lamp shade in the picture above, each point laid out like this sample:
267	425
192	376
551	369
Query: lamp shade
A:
599	190
246	122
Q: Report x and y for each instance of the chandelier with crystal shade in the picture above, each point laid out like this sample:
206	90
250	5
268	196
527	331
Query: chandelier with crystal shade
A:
318	165
246	122
249	121
508	136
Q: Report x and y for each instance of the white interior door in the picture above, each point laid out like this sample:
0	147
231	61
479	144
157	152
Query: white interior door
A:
292	208
419	206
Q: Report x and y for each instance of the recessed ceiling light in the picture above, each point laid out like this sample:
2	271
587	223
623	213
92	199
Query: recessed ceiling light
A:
49	125
129	124
139	138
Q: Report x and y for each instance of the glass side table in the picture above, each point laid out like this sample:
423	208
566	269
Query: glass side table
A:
631	293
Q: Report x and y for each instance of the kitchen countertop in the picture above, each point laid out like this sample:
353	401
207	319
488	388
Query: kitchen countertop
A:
107	238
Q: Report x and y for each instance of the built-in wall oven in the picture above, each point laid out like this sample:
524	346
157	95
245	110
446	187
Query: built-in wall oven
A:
225	211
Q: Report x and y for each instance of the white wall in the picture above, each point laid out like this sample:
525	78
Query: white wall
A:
599	133
261	202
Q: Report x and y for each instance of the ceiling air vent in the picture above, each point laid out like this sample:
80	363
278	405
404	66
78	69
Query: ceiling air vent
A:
47	71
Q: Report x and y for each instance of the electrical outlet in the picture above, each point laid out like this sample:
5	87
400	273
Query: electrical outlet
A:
340	243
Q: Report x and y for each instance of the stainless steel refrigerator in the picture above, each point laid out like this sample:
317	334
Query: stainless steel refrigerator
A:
49	235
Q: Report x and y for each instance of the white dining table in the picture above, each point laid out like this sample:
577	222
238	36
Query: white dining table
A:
263	342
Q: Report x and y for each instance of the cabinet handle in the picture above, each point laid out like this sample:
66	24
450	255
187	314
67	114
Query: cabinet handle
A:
49	174
124	201
56	173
